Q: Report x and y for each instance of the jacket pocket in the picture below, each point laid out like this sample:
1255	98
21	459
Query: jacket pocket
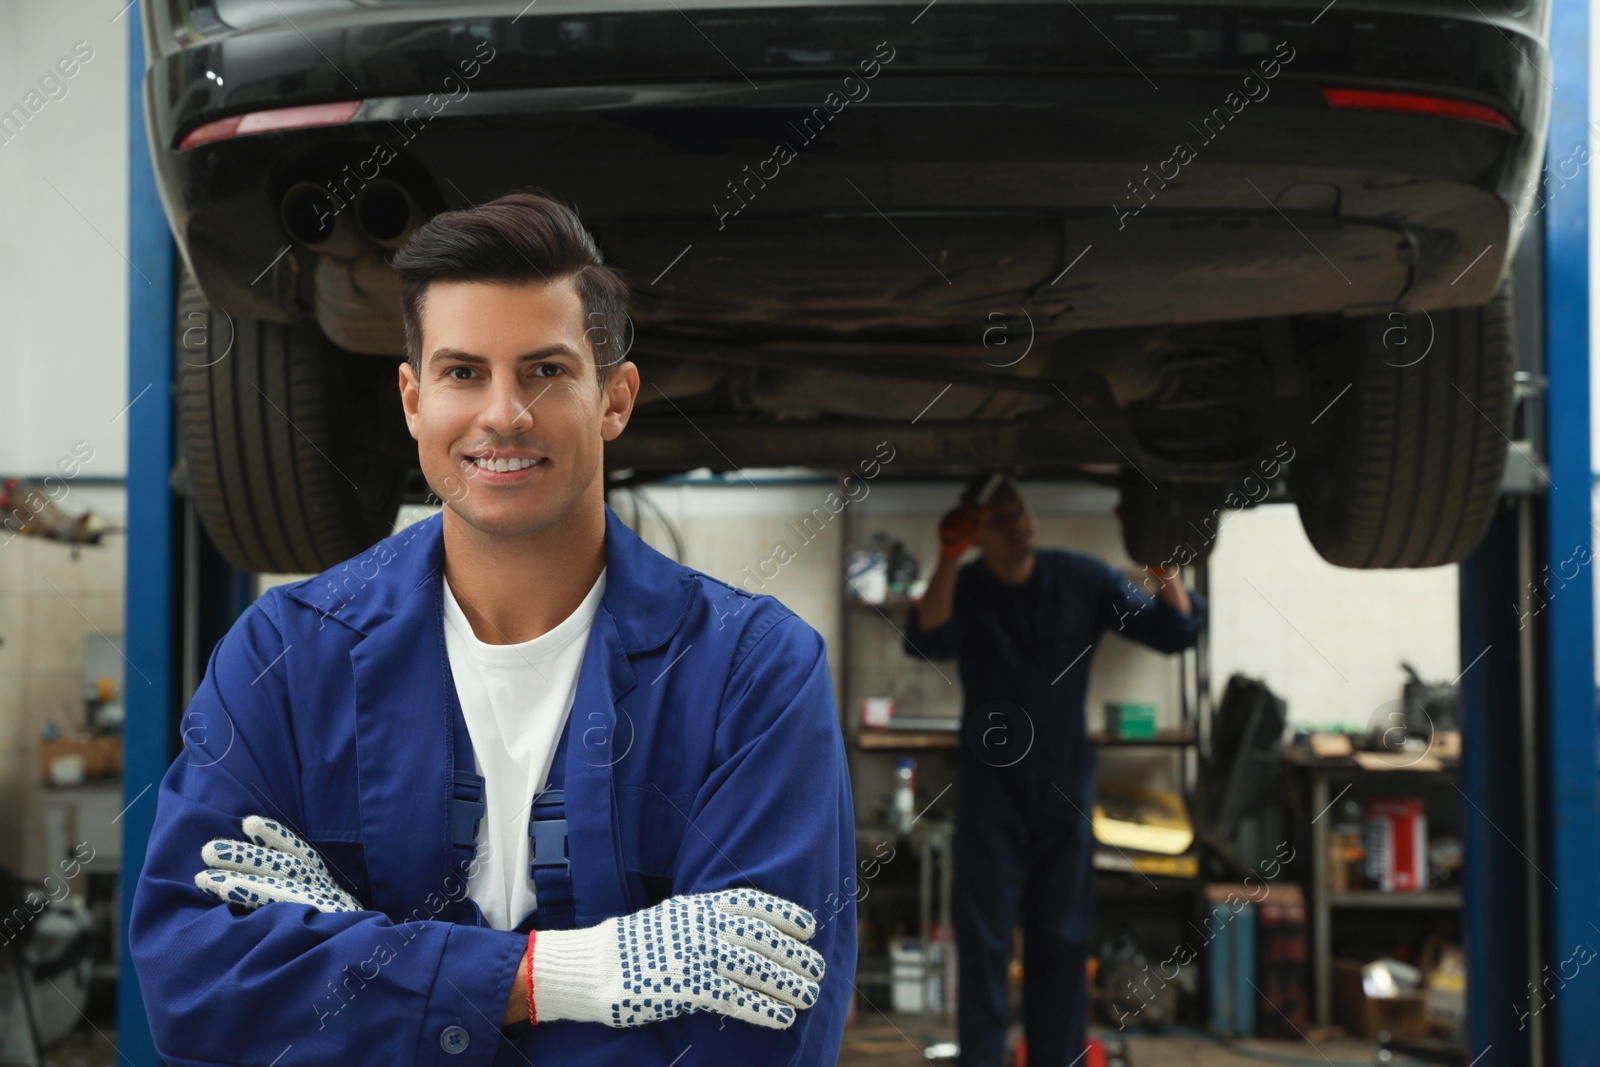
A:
652	824
347	862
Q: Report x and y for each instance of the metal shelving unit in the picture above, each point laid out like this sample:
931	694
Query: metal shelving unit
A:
1322	901
930	838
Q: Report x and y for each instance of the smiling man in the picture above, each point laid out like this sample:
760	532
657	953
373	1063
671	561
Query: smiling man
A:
516	787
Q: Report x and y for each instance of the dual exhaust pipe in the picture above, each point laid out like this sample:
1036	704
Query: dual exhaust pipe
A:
383	214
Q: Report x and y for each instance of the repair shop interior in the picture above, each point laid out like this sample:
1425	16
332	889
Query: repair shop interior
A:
1004	533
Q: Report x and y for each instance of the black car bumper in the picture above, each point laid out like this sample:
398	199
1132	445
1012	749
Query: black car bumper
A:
1029	154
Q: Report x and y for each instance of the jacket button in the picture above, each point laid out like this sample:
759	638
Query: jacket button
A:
454	1039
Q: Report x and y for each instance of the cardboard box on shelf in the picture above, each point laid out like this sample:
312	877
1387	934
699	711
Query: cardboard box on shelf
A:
1404	1015
1445	969
876	712
99	757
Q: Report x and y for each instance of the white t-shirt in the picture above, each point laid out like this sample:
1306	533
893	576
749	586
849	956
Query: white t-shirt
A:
515	699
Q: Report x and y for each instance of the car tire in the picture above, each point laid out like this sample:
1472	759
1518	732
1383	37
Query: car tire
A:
1421	444
273	482
1168	523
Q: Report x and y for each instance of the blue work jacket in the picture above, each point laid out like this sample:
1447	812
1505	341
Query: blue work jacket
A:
703	752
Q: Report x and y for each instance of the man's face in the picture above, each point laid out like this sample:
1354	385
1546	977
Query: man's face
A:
508	375
1008	531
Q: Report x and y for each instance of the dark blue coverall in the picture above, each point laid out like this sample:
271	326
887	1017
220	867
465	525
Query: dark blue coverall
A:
1026	785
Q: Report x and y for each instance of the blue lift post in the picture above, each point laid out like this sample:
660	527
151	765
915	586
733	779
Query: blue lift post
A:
1569	780
1529	765
182	596
150	628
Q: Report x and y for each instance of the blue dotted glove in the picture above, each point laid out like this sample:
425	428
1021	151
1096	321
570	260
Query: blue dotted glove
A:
275	864
737	952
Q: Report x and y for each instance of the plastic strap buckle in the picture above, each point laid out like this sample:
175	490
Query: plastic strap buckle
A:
467	808
548	836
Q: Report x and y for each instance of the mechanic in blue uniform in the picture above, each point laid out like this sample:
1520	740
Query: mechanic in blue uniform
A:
1022	622
305	895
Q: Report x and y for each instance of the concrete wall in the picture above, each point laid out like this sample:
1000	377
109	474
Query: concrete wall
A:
1327	640
64	234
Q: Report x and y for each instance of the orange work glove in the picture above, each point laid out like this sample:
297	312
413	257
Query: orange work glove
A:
959	529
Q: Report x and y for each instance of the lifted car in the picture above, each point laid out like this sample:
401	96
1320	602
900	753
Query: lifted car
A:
1177	245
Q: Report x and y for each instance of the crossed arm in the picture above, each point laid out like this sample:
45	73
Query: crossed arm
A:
737	952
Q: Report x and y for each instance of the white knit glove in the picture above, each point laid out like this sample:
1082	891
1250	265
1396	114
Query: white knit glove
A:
278	865
733	951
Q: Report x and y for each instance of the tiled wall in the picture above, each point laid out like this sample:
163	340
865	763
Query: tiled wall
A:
48	603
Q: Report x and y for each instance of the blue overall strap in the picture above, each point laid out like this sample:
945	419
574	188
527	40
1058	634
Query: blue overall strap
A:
468	807
468	804
549	854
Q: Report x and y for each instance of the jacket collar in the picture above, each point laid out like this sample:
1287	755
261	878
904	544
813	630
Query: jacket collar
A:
647	594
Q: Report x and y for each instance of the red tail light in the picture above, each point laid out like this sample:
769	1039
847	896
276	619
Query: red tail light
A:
283	118
1416	103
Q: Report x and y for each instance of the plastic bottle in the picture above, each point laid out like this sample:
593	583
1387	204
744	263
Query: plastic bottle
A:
905	793
1347	842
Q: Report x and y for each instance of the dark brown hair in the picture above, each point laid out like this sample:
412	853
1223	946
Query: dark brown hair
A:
520	237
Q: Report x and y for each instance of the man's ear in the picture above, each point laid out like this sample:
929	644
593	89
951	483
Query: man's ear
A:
409	397
621	390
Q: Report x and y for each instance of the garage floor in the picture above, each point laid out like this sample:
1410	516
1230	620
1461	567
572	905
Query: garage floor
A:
898	1041
93	1050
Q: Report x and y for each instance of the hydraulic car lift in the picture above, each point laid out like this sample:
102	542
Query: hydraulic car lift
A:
1531	754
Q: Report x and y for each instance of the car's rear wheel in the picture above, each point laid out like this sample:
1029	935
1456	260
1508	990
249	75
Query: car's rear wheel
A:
274	481
1420	439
